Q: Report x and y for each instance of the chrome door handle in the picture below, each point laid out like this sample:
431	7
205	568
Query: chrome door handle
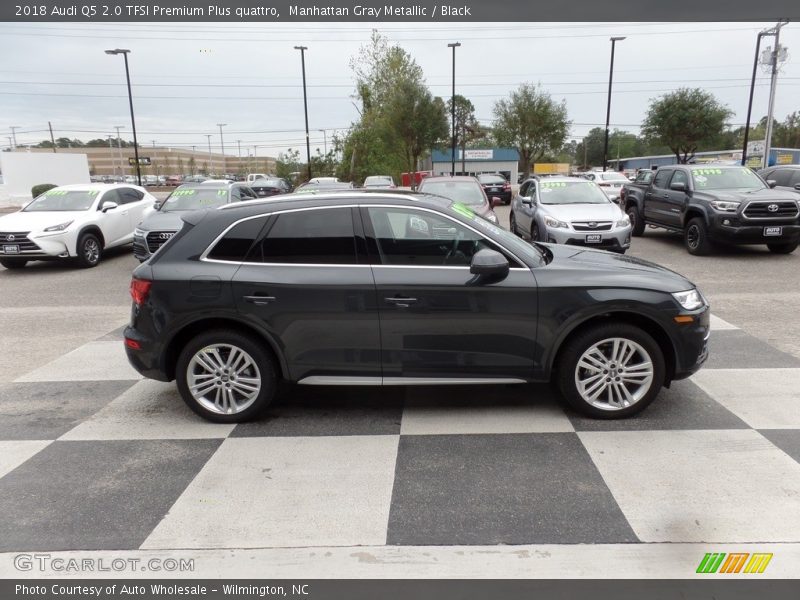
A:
401	302
259	300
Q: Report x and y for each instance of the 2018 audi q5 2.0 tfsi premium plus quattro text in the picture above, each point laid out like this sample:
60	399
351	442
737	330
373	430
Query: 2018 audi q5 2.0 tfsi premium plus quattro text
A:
355	288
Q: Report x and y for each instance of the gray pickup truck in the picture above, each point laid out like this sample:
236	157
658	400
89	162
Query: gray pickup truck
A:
710	204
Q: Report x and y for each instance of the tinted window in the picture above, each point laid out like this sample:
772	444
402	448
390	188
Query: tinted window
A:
415	237
644	177
662	177
238	241
782	177
320	236
523	191
128	195
466	192
246	193
795	178
680	177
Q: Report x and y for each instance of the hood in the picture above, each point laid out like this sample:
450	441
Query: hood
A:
166	221
586	266
765	194
38	220
583	212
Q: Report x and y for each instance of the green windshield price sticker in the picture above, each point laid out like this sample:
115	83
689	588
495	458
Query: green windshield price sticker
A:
55	192
553	184
463	210
184	192
708	171
93	192
221	192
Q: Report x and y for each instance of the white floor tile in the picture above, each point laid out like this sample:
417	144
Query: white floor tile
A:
149	410
95	361
13	454
762	398
700	486
290	491
718	324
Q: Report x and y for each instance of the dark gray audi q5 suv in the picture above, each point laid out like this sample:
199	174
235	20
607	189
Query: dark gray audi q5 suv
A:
357	288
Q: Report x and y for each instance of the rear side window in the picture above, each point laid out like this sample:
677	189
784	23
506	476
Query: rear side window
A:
235	244
318	236
782	177
662	177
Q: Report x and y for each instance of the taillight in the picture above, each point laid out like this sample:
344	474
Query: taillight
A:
140	289
506	186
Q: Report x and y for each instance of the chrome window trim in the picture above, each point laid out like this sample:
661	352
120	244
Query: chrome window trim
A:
204	255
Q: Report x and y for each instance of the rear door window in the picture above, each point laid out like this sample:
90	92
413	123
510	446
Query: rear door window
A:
661	178
782	177
235	245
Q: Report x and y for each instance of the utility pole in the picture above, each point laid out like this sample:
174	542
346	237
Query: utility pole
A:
614	41
222	146
210	160
14	136
119	151
454	45
111	153
52	138
305	105
772	86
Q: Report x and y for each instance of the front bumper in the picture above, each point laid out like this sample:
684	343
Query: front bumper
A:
691	344
741	231
44	247
618	238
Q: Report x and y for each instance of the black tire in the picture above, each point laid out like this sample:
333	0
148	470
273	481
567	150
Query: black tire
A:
786	248
263	369
13	263
90	251
637	223
695	238
568	371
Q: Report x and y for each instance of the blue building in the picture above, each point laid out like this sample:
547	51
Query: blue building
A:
476	161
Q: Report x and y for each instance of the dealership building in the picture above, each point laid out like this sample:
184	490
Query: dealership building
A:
474	161
777	156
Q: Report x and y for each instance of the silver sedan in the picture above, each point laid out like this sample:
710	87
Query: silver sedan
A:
569	210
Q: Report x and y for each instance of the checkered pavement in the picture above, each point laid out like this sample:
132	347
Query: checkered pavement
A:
95	458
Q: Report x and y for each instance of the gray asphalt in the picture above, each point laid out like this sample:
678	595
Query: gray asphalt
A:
48	309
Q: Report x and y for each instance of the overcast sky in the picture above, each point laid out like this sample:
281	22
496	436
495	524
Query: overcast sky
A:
189	77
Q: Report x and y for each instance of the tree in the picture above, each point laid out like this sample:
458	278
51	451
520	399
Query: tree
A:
467	128
288	164
532	122
192	165
418	118
685	120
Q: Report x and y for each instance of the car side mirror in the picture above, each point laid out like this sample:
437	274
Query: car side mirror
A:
496	202
489	262
797	186
109	206
157	205
678	186
772	183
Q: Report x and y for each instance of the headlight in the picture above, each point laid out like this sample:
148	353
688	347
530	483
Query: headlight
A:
60	227
690	299
724	205
139	232
623	222
555	223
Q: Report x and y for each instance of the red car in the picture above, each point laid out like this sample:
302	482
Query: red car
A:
173	180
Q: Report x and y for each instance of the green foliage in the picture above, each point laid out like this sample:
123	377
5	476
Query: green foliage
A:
288	164
532	122
41	188
684	120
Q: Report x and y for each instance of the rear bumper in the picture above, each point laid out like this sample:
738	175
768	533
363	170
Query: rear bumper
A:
148	358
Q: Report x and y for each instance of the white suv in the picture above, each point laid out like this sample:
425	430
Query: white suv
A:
73	221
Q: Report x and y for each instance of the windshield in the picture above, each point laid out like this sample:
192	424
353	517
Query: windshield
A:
61	200
466	192
740	178
613	177
194	198
571	192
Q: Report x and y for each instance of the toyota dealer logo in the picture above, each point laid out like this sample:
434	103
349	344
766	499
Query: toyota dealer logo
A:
772	208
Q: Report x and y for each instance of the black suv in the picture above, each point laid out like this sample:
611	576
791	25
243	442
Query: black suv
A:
359	288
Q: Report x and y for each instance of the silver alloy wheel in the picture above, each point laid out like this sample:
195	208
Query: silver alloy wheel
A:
614	373
223	379
91	251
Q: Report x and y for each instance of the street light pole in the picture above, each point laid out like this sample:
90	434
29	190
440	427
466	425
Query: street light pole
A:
454	45
305	104
614	41
761	34
124	53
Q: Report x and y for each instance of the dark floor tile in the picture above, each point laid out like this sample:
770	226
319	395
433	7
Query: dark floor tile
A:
501	489
96	495
735	349
787	440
